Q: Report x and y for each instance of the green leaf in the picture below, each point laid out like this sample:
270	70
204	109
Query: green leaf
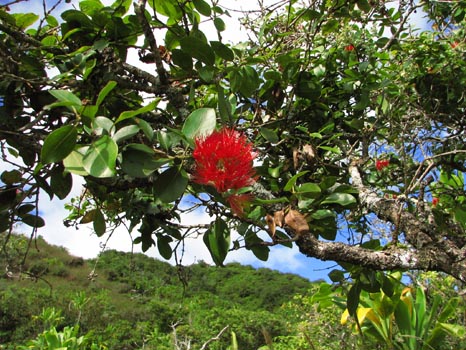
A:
217	240
199	123
125	133
269	134
322	214
59	144
163	244
74	161
66	96
308	189
291	182
140	164
7	197
167	8
145	127
261	252
51	21
403	318
170	185
100	159
61	182
198	49
222	51
32	220
183	60
224	106
24	20
101	124
206	73
99	223
364	5
250	81
130	114
219	24
271	201
453	329
307	86
336	275
343	199
352	299
11	177
203	7
105	91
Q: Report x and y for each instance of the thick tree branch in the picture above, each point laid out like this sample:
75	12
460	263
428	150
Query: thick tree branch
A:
427	252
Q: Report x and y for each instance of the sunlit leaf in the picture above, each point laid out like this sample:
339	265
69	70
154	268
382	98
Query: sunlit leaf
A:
100	158
343	199
200	122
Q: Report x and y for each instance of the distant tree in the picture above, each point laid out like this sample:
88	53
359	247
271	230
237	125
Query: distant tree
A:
335	127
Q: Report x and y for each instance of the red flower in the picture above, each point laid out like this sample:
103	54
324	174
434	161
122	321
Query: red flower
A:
380	164
435	201
349	47
224	160
454	44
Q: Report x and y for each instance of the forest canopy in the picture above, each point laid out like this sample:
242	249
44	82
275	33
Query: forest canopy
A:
336	127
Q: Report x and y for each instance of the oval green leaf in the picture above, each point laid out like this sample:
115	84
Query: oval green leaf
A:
61	182
200	122
32	220
100	158
217	241
74	161
165	250
59	144
170	185
202	7
125	133
99	223
343	199
198	49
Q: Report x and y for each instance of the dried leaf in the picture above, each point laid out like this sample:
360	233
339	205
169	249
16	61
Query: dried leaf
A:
279	218
295	158
297	222
309	153
271	224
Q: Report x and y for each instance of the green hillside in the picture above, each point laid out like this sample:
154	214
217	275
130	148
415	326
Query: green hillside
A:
122	297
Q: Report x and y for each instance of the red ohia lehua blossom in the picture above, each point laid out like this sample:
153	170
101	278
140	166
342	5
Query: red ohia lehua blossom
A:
435	201
349	47
380	164
224	159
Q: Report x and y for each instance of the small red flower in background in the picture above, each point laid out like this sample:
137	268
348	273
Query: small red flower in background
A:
349	47
435	201
380	164
454	44
224	159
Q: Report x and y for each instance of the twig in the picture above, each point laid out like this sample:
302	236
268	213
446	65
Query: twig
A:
217	337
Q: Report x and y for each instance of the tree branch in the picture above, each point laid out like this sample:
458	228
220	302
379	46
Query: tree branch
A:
427	253
139	9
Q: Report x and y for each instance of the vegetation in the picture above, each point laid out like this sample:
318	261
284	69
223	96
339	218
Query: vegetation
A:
124	298
131	301
349	124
